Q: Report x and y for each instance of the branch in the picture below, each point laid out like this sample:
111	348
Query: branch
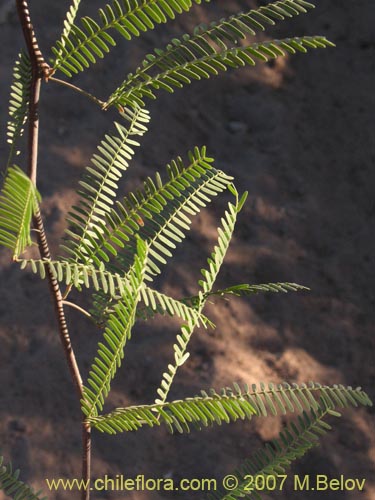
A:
39	69
79	90
36	56
76	306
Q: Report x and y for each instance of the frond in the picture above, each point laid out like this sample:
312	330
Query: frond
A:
178	415
188	60
152	303
225	233
284	398
19	101
117	333
223	33
229	405
18	203
112	287
215	261
80	275
160	303
160	214
91	39
100	184
101	307
243	24
13	487
245	289
68	23
70	18
275	457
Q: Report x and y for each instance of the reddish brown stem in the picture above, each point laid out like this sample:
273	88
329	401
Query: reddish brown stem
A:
37	60
39	69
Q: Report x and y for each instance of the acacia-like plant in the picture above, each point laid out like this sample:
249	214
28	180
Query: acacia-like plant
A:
116	247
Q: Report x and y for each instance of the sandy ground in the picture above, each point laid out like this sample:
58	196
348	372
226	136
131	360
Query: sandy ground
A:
299	136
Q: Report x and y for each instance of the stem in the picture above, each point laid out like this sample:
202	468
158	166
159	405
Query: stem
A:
86	459
32	169
79	90
76	306
59	307
67	291
40	68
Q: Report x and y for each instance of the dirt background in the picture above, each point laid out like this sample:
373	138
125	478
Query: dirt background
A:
299	135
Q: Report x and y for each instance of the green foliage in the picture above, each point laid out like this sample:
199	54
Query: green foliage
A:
212	49
157	303
295	440
18	203
232	404
12	486
179	415
159	213
68	24
117	247
130	18
154	302
117	333
114	285
225	233
162	213
100	184
181	355
79	275
245	289
283	398
19	101
194	60
242	24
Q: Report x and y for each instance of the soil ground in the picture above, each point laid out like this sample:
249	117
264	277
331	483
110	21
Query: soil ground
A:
298	134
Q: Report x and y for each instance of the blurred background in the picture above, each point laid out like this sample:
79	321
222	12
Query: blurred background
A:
298	134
